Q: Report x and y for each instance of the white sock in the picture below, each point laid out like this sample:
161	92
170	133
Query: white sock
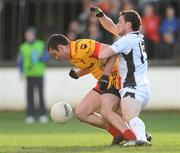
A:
138	127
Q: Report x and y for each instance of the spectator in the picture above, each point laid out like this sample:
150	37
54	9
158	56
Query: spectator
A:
73	30
84	15
166	46
92	30
169	33
31	61
170	23
88	29
150	28
127	5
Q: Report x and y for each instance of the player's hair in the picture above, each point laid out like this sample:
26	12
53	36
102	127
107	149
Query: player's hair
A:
133	17
55	40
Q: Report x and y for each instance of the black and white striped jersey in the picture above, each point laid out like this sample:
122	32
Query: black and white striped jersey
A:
133	59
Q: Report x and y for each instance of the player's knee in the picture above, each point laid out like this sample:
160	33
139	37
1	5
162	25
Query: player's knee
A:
127	117
129	112
80	114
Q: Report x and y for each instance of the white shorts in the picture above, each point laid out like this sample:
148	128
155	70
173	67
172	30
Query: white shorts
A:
140	93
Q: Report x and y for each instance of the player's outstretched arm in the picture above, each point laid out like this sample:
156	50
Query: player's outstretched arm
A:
105	21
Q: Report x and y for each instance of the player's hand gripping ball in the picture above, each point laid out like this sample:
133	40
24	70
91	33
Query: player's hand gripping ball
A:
61	112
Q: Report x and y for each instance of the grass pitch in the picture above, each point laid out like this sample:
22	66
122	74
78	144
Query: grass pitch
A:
76	137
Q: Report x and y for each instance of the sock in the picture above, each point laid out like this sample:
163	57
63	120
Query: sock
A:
137	125
113	131
129	135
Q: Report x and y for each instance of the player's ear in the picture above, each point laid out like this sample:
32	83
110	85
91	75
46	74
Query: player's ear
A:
63	47
128	24
59	47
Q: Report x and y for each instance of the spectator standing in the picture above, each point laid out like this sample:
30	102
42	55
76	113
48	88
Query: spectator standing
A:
31	62
74	30
150	28
169	33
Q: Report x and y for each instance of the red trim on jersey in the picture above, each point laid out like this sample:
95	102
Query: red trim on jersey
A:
97	87
96	51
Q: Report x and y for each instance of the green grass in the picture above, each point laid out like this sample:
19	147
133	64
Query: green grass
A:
75	137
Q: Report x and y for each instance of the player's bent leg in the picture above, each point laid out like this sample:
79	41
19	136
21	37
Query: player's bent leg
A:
117	141
109	105
130	108
85	111
130	111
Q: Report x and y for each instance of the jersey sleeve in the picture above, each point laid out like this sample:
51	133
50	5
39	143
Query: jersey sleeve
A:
86	48
121	46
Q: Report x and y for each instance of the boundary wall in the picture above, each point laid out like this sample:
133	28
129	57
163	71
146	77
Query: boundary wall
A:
165	88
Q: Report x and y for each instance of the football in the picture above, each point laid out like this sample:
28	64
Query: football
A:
61	112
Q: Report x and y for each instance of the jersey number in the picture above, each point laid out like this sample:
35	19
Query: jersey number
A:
142	51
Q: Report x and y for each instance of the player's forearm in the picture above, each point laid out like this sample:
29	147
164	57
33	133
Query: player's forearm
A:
109	65
105	21
109	25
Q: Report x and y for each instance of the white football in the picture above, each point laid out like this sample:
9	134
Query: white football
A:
61	112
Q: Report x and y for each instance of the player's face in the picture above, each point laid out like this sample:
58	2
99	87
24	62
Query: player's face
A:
121	25
58	54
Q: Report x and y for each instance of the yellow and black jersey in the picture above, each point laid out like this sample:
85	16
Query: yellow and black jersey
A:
84	55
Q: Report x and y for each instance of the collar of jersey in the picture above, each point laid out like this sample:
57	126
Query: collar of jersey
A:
134	32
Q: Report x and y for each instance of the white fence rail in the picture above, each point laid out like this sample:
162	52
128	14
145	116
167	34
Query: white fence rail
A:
165	88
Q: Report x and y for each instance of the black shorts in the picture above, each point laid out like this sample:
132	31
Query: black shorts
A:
112	90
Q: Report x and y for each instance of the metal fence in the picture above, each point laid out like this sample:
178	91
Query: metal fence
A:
49	16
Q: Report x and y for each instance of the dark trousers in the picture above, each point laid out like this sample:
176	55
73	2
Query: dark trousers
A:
35	84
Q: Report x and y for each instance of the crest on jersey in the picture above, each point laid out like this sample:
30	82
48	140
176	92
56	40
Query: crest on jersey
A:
83	46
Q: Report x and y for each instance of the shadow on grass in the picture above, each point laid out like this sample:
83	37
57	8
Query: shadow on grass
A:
65	149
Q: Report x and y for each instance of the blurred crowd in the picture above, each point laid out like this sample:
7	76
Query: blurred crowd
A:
160	24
